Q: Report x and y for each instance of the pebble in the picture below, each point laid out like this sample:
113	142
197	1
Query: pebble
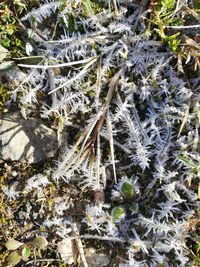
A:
14	173
95	259
26	140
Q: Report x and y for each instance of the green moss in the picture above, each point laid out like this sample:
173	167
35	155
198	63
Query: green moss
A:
4	96
196	4
98	6
71	23
32	3
167	4
3	257
92	7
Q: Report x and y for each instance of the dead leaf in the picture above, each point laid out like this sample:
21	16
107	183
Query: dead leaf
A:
39	242
13	259
13	244
67	250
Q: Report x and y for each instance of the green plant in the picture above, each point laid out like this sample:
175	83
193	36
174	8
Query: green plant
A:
162	17
196	4
118	213
22	251
9	26
123	114
4	96
127	193
127	190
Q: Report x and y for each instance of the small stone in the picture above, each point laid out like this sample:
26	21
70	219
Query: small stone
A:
12	77
5	110
14	173
7	167
26	140
95	259
3	53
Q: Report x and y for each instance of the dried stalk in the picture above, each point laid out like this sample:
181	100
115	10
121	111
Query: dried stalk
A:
79	244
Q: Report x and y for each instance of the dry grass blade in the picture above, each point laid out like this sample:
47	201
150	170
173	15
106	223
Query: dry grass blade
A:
112	86
83	71
98	157
98	83
184	120
98	122
56	65
116	13
90	128
91	163
110	131
79	244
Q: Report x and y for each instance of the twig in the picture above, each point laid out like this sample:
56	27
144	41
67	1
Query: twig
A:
98	157
104	238
79	244
42	260
182	27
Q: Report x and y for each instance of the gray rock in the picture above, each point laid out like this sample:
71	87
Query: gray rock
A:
12	77
3	53
95	259
26	140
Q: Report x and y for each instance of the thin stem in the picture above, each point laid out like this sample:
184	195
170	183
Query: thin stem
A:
79	244
57	65
182	27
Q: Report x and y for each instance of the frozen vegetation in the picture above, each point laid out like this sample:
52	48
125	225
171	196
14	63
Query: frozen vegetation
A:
119	83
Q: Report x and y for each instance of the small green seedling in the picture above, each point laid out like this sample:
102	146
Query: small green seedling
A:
127	190
118	213
133	207
23	251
